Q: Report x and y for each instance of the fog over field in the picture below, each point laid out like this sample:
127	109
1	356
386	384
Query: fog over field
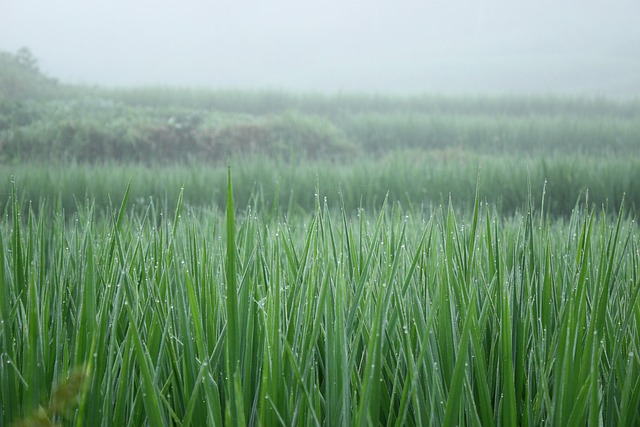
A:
458	46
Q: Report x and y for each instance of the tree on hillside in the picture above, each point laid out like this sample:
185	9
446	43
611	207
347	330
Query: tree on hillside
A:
25	59
21	78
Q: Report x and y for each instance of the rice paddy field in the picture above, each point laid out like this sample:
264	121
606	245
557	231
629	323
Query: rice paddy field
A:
173	257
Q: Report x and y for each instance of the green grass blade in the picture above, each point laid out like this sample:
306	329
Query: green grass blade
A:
235	410
455	396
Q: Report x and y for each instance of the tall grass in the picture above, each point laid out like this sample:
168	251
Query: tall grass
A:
400	318
413	178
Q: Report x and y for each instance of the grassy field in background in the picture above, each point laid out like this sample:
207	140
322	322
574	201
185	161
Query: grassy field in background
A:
67	143
381	260
417	180
418	150
98	127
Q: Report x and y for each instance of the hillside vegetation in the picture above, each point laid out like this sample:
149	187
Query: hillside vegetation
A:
42	120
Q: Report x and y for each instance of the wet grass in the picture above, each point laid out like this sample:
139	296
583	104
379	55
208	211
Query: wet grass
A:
399	316
415	179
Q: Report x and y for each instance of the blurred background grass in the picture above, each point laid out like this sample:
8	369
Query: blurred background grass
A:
66	143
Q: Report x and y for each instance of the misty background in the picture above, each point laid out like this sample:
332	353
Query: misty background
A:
459	46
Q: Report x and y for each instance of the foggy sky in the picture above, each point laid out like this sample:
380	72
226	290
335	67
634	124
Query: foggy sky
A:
348	45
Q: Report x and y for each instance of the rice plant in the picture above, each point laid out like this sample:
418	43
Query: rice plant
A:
394	317
415	179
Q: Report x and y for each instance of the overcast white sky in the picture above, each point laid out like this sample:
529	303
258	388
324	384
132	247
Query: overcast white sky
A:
333	45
